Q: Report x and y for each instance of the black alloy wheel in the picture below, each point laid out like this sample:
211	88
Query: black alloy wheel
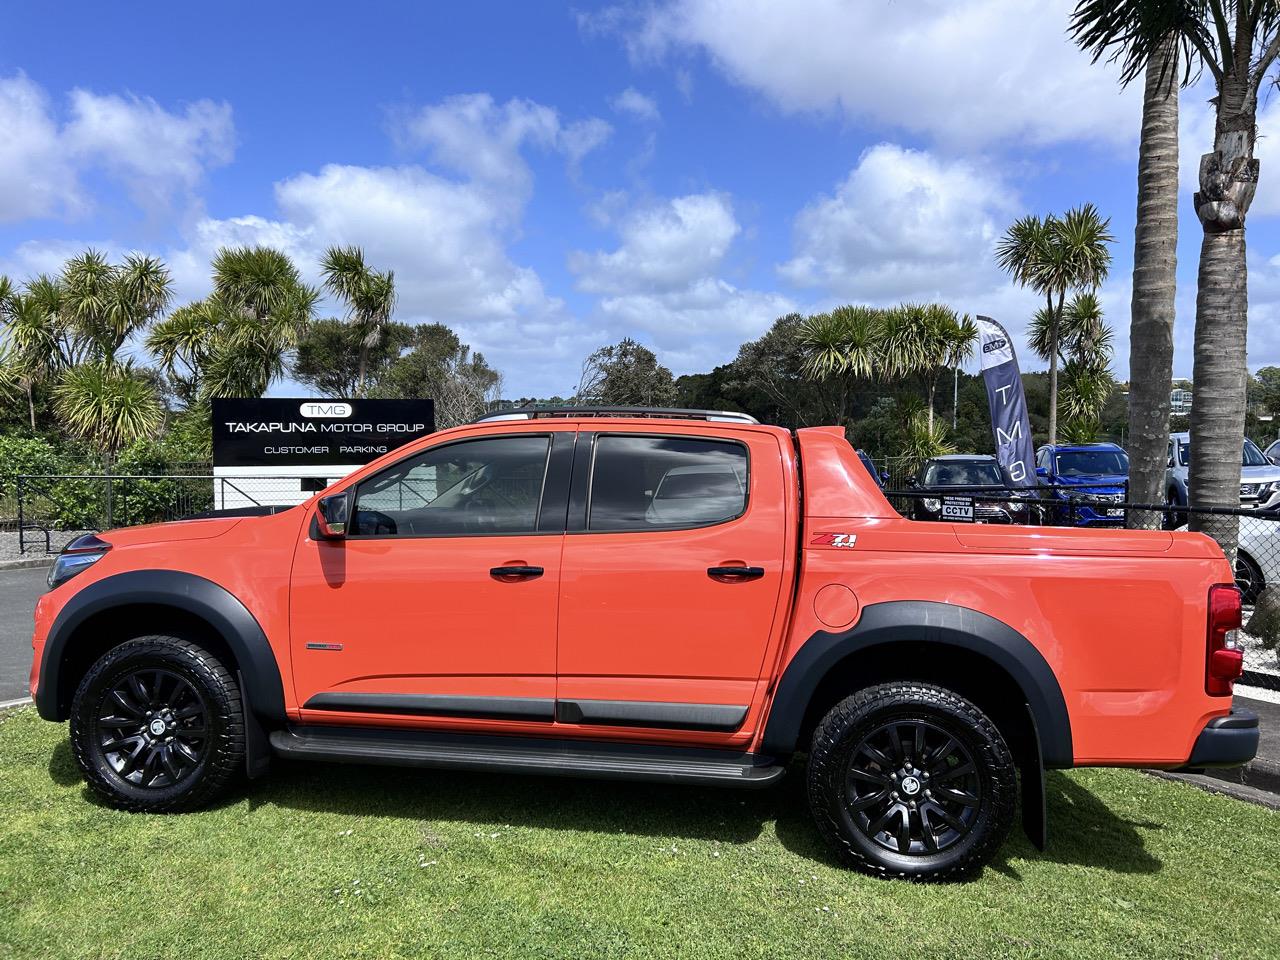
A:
913	788
157	725
909	779
153	728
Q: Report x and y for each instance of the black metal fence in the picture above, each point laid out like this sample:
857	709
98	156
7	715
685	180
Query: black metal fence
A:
44	512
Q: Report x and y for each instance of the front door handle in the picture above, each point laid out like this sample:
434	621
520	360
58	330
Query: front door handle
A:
735	574
515	572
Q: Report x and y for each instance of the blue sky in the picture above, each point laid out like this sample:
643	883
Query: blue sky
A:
548	179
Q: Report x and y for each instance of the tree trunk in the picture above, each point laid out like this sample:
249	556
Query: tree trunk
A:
1055	323
364	360
1154	286
1228	178
933	384
31	405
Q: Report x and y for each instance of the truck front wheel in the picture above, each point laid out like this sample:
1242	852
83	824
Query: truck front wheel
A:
911	780
156	726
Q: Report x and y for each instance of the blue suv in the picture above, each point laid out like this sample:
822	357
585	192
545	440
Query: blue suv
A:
1084	478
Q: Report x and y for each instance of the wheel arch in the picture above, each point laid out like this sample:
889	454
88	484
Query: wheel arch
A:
114	609
977	656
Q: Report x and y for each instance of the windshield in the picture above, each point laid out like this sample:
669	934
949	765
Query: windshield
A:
1092	463
1250	457
971	473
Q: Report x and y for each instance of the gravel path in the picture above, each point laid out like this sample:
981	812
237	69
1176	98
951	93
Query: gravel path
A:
34	543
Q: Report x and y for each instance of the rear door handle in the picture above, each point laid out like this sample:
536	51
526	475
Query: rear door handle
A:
515	572
735	574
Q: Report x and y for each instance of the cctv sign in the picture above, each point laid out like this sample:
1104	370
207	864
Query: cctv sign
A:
294	432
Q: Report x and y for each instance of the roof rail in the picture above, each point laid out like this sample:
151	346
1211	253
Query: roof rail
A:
664	413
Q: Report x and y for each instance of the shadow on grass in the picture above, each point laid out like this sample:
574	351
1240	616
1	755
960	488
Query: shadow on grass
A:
1083	831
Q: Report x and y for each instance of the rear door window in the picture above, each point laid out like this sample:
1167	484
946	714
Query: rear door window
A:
648	483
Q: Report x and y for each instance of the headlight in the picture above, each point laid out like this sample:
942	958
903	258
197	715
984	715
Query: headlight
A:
932	505
77	556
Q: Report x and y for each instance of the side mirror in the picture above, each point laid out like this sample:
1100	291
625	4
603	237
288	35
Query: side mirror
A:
331	516
1042	473
1274	458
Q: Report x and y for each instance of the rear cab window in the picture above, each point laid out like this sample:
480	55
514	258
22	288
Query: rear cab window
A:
649	482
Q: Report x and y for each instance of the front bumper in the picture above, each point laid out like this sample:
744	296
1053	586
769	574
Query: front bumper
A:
1226	741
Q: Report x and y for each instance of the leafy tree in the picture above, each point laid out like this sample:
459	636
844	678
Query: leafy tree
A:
625	374
1143	38
1054	256
370	297
330	352
1084	352
440	366
769	379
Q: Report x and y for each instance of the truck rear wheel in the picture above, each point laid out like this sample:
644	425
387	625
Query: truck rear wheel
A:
911	780
156	726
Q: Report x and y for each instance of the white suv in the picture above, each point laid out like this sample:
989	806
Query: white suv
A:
1259	477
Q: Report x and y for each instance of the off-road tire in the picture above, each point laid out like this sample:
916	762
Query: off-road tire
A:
221	753
941	713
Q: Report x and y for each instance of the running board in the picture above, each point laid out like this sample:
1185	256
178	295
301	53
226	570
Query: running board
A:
562	758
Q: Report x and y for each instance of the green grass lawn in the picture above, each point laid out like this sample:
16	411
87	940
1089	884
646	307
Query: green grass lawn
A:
337	861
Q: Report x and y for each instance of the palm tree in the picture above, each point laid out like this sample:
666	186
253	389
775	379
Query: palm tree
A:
1054	256
108	404
370	296
1107	27
105	304
1237	42
258	309
922	340
843	346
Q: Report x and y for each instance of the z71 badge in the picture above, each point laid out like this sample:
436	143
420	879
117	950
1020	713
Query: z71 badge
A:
834	540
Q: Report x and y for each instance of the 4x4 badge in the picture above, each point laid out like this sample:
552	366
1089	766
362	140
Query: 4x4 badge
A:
834	540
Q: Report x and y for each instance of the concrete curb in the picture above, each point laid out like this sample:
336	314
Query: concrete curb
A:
25	562
1227	788
20	702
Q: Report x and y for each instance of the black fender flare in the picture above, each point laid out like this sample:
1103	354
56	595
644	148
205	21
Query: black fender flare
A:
930	622
261	683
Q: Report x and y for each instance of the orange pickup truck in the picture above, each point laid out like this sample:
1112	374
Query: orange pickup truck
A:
646	595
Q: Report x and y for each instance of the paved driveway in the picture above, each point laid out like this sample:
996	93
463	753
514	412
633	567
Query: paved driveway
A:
19	590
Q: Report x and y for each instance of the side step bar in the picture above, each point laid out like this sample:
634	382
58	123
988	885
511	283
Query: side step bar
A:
565	758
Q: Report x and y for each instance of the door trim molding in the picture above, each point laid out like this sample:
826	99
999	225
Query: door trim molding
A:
436	705
720	717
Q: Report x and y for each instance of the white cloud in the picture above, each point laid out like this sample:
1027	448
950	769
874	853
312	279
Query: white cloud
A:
156	154
483	140
36	178
631	101
664	247
664	279
903	224
966	72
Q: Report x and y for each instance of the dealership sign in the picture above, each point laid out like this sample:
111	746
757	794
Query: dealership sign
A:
293	432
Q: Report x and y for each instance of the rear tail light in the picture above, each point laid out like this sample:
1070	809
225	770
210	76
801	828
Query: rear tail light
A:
1225	659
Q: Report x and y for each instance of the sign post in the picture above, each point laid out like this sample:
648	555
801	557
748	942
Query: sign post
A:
278	451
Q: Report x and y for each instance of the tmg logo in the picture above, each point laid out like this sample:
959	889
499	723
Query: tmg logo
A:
329	409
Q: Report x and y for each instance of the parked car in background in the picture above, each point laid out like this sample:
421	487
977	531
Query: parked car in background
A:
1272	453
1083	480
878	476
962	474
1259	477
1258	556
